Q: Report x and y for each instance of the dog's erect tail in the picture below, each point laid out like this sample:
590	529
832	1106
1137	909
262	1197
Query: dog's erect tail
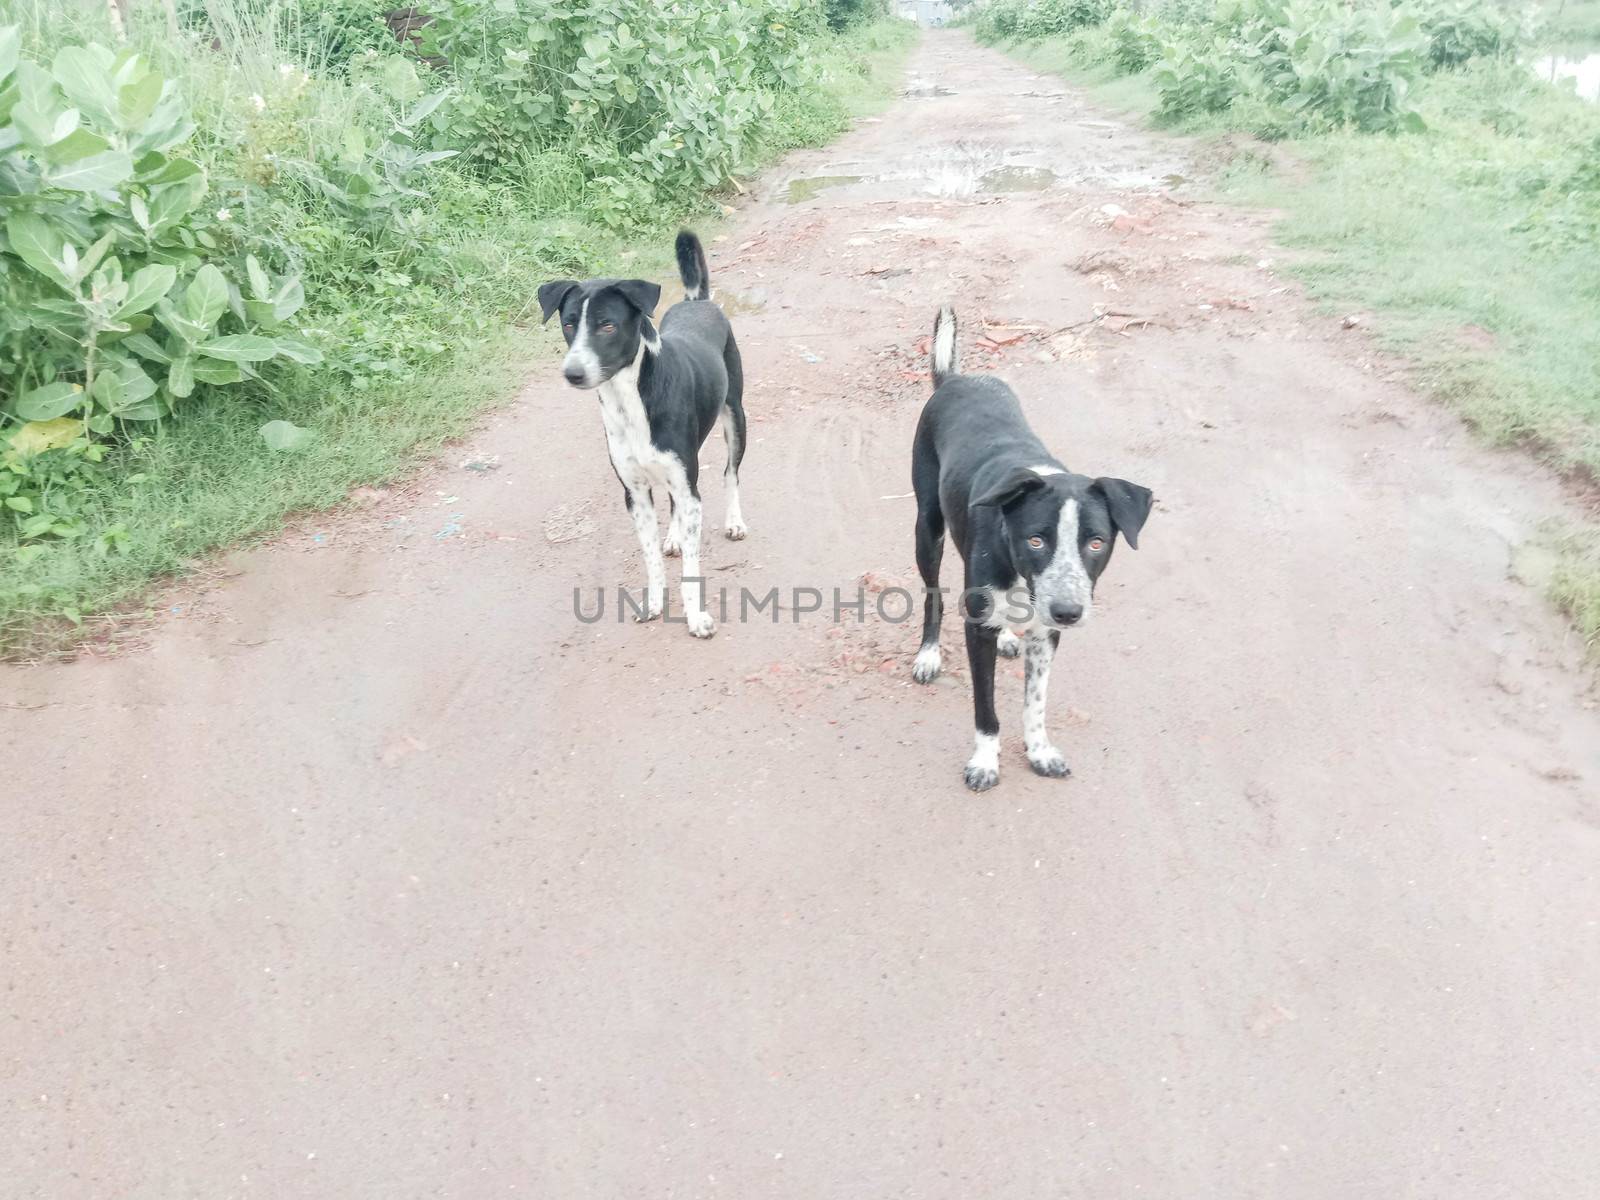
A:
944	345
692	267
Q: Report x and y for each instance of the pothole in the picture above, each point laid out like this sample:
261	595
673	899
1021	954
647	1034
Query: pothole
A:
801	190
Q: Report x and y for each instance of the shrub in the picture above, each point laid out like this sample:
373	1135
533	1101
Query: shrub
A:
1316	62
1460	30
118	294
1134	41
655	100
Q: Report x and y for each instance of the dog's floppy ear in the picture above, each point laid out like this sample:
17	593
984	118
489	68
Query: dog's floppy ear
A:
1009	490
551	295
640	293
1128	504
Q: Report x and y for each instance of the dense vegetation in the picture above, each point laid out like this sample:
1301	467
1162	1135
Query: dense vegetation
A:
262	250
1443	184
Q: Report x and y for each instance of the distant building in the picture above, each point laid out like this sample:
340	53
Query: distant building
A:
925	12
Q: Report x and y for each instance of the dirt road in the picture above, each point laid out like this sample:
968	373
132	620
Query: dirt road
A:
377	874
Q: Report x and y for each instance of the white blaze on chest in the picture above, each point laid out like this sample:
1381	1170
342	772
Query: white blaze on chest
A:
636	458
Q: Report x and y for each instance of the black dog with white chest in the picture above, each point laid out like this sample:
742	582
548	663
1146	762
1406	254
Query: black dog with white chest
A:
1034	537
661	394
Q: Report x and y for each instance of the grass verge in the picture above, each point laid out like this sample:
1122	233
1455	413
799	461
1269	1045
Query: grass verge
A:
1476	243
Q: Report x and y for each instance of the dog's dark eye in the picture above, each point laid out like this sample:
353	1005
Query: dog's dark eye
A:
608	327
1097	544
1036	542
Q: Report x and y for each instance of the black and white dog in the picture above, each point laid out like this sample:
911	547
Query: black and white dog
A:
1034	537
660	396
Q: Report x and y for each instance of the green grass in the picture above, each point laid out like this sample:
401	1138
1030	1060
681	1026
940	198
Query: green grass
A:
421	339
1476	243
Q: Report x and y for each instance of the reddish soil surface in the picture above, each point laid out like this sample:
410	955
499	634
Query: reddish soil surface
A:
377	874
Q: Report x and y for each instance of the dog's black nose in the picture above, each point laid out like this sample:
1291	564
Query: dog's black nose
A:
574	374
1066	614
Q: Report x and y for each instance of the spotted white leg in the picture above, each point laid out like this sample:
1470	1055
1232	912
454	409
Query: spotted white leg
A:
672	545
1038	649
641	507
693	587
1008	644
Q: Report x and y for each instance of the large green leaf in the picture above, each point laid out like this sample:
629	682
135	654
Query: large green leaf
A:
217	372
147	347
49	402
10	50
207	297
78	144
240	348
96	173
38	245
37	436
170	202
298	351
148	285
84	74
43	125
138	99
180	377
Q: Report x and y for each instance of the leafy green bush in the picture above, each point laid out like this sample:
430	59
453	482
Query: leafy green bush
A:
1004	20
1297	63
1460	30
842	14
1135	41
653	99
113	305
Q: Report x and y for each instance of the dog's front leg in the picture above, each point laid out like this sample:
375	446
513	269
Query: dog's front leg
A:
694	613
1039	649
642	508
673	546
983	769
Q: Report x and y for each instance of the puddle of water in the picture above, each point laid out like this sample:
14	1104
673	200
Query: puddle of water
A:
1584	72
801	190
986	168
927	91
1016	179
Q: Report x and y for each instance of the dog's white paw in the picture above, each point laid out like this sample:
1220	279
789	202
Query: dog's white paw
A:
701	624
655	603
1008	644
981	777
672	545
736	531
1049	763
983	768
926	668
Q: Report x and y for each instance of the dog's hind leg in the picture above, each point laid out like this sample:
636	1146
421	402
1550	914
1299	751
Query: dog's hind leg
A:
1008	644
642	508
930	552
1042	756
733	435
983	768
